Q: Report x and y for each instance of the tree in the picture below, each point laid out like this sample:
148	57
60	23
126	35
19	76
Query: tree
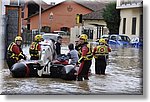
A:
112	18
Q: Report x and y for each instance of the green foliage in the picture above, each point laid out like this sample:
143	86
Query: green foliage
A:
111	16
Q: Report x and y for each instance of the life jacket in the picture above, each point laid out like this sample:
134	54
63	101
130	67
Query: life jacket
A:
89	55
101	50
79	51
11	54
33	50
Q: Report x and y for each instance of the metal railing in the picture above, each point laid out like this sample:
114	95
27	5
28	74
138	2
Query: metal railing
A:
28	37
130	2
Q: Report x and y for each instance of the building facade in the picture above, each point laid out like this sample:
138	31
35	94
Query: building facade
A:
59	17
63	16
131	12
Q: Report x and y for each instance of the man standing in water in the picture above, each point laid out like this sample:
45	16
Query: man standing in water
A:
86	58
14	52
35	48
100	54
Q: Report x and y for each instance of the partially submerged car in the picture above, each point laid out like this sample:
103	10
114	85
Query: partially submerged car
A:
119	39
136	42
105	36
61	33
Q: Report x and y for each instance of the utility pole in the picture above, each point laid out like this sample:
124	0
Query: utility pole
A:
40	17
18	2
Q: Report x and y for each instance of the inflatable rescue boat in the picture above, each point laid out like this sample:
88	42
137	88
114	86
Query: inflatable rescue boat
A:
58	68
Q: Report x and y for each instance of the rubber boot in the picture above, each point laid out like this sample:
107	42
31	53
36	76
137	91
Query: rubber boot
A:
79	78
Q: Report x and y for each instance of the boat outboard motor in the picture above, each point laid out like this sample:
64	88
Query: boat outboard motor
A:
20	70
55	70
68	72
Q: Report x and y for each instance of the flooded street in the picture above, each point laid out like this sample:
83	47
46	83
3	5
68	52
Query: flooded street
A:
124	75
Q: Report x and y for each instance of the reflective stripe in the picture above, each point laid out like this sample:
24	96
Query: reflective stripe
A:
34	46
10	53
34	55
10	46
34	49
102	50
89	55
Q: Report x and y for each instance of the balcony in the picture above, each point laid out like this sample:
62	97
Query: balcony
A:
121	4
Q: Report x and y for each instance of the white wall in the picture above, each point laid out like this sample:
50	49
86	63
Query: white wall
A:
87	24
129	14
75	31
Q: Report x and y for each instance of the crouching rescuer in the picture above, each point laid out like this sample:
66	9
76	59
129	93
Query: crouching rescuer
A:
14	52
35	48
86	58
100	54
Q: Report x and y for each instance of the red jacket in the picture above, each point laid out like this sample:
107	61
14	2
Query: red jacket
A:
16	49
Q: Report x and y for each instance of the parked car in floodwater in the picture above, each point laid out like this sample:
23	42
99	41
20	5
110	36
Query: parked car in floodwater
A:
136	42
105	36
61	33
119	39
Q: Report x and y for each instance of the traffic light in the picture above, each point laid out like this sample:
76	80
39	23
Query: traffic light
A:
79	18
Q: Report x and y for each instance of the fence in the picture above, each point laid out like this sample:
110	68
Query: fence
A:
28	37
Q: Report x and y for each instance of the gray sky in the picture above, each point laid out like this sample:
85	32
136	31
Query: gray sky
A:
56	1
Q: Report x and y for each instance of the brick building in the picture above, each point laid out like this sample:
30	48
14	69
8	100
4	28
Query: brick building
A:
63	16
59	17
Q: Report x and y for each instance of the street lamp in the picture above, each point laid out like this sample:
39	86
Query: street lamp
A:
51	18
40	17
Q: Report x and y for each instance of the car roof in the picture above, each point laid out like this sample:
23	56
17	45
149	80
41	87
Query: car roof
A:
51	34
105	35
123	35
118	35
58	31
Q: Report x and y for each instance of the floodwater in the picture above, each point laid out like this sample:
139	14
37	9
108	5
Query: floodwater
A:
124	75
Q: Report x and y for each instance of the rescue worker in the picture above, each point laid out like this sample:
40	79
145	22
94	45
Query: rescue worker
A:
86	58
14	52
58	45
35	48
100	54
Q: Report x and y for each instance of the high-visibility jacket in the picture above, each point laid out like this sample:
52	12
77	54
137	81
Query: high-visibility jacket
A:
14	52
34	49
85	52
78	48
101	50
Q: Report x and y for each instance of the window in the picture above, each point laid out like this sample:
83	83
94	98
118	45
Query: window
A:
124	26
28	26
113	38
141	25
133	25
22	14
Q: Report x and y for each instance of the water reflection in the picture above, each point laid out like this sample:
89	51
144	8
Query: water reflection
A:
123	76
84	85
